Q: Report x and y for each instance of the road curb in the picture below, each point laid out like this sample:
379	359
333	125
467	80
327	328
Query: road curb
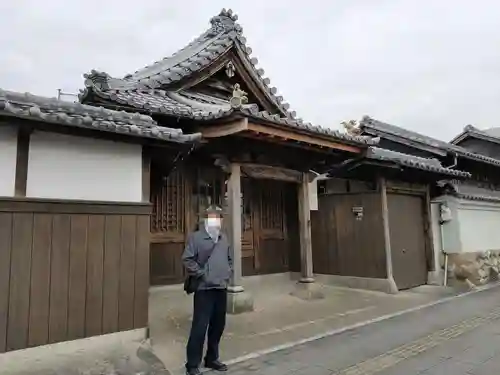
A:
338	331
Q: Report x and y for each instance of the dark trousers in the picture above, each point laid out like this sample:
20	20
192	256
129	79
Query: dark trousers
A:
209	312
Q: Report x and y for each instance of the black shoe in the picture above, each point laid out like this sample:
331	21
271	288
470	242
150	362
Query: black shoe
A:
193	371
216	365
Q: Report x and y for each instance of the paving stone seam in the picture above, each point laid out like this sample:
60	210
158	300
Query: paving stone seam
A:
416	347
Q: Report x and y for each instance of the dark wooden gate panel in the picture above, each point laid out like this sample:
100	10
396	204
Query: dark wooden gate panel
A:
343	245
266	246
273	244
170	201
406	223
178	205
71	270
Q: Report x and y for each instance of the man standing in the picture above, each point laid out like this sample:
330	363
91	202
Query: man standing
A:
207	257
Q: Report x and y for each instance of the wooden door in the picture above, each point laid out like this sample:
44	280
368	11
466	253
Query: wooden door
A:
169	198
407	234
272	250
179	202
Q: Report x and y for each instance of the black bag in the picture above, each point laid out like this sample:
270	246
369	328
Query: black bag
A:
192	283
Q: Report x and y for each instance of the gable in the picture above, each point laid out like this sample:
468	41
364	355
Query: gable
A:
212	63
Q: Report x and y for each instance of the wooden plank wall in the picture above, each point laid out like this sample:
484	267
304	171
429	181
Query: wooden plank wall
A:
343	245
71	271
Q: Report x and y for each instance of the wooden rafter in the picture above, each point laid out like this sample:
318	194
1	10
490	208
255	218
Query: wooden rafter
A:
246	128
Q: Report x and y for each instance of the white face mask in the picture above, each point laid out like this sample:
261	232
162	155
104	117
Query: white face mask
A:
213	222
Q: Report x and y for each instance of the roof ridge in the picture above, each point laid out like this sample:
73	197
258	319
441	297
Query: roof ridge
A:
223	21
224	33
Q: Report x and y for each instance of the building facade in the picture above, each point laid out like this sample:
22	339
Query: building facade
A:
256	158
74	218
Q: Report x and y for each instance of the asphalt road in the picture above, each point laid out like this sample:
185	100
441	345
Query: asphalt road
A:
458	337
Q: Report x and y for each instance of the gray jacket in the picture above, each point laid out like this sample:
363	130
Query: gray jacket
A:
216	272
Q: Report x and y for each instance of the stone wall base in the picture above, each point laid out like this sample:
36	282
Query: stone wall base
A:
379	285
308	291
435	277
474	268
239	302
123	353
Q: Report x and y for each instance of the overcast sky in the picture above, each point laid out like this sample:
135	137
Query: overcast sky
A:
429	65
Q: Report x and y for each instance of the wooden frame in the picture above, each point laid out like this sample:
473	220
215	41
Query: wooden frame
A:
258	171
35	205
419	190
244	127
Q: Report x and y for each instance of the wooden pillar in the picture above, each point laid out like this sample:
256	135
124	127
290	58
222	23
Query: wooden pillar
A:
306	260
306	288
234	205
387	236
238	300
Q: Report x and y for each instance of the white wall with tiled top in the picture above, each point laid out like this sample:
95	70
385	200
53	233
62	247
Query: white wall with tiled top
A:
80	168
8	155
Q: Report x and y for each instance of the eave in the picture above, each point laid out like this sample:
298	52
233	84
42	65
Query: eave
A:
250	128
421	142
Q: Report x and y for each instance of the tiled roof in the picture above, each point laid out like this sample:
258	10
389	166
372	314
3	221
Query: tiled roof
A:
491	134
50	110
471	192
151	89
411	161
369	123
203	107
223	35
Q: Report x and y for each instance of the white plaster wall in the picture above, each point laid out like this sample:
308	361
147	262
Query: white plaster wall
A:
70	167
8	155
479	224
474	226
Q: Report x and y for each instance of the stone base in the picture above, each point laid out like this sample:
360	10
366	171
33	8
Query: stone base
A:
308	291
379	285
126	353
435	278
239	301
474	268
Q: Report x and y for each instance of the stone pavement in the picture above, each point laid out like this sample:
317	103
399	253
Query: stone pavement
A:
278	319
457	337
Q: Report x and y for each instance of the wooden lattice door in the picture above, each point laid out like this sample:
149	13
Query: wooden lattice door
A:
170	203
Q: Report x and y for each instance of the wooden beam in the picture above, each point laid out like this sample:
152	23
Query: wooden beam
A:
304	138
271	173
21	179
234	203
282	141
226	129
246	128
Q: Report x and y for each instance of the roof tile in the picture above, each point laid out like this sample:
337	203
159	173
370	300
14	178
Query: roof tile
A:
430	165
369	123
201	107
40	108
223	34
